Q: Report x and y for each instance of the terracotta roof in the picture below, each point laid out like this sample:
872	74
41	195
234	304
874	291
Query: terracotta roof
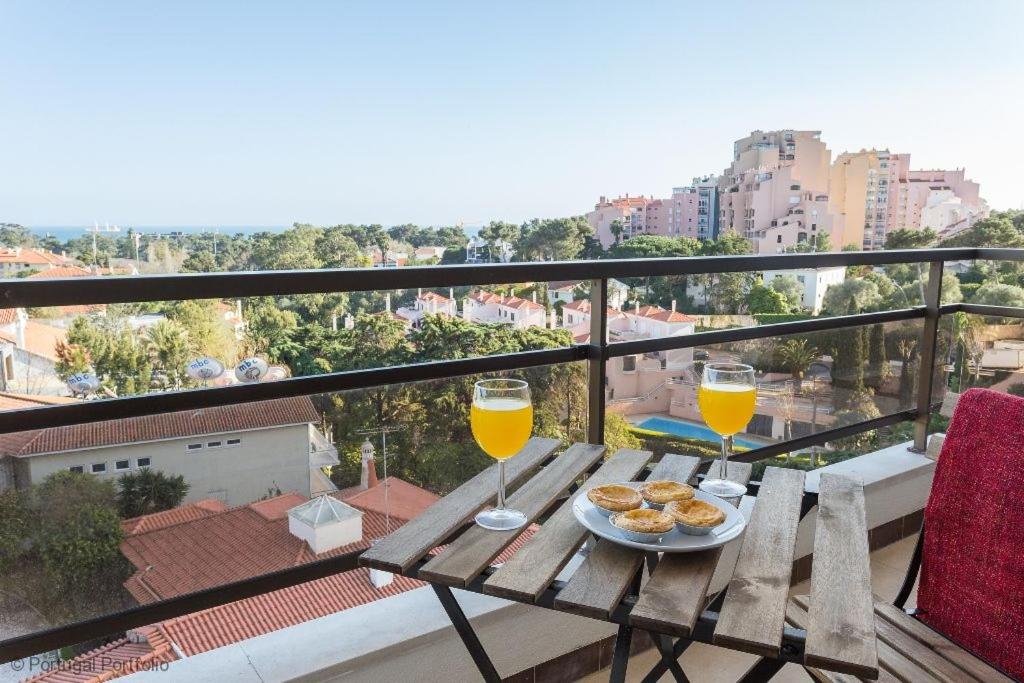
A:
32	257
510	301
405	500
233	418
434	296
61	271
161	520
583	306
664	315
8	316
40	340
116	659
517	303
564	284
12	401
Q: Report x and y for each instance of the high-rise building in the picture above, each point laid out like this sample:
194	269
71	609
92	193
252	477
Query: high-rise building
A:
864	196
775	192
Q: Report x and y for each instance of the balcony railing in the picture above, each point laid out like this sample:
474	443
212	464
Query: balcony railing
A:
44	293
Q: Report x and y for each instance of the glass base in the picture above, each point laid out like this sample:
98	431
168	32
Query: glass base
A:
501	520
723	488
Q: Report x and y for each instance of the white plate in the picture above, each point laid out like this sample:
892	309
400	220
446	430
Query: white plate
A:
674	541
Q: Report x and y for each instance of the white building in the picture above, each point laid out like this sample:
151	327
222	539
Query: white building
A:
565	291
430	303
485	307
478	251
235	454
815	282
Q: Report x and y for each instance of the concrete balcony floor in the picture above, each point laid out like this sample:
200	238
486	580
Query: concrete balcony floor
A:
710	664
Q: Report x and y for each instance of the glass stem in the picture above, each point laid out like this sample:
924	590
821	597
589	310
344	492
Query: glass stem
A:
726	450
501	485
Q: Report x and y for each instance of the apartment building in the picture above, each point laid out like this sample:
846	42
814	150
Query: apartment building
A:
487	307
814	282
234	454
943	200
865	196
630	212
775	192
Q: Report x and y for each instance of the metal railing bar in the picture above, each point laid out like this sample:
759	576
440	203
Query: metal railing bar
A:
108	290
171	401
995	311
993	254
820	438
143	615
761	331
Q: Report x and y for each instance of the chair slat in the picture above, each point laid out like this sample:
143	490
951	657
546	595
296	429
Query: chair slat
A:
537	563
603	578
753	614
414	539
468	555
970	664
841	627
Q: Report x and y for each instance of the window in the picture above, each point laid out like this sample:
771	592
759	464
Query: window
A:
629	363
99	467
77	469
215	444
778	239
794	199
194	446
142	462
122	465
234	442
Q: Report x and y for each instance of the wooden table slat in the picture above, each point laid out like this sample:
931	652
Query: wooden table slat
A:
534	566
470	553
753	614
947	649
414	539
796	615
738	471
603	578
673	598
841	626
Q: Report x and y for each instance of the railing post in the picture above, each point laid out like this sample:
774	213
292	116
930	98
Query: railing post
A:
598	363
929	341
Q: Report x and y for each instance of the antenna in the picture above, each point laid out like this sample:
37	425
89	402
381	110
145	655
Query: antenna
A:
383	431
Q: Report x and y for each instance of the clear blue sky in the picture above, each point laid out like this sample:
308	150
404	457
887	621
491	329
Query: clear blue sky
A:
264	113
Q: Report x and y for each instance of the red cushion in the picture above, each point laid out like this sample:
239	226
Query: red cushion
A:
972	567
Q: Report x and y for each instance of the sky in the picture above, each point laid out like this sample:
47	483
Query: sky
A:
268	113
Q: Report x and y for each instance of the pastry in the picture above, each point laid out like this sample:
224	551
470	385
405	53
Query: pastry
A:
695	516
657	493
614	498
644	521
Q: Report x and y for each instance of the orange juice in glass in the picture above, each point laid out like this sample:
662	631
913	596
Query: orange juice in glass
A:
501	418
726	397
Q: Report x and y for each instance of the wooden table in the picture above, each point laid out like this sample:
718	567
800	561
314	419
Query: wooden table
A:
668	594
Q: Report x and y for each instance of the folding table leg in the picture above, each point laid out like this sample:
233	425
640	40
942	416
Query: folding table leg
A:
659	669
620	658
669	658
763	670
467	634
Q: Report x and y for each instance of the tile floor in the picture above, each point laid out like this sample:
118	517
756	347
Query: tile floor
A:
710	664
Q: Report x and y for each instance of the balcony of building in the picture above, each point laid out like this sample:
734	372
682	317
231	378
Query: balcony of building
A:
253	594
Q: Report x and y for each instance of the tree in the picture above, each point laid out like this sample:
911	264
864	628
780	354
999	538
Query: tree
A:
77	531
818	242
208	334
878	363
270	330
616	229
618	434
118	357
553	239
909	238
496	232
851	296
761	299
992	294
790	289
797	356
654	246
148	491
14	528
168	347
995	231
860	407
380	239
848	369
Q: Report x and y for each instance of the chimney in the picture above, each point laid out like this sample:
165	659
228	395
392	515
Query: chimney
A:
238	308
554	319
387	303
350	323
451	293
368	475
325	524
534	296
419	292
636	308
673	305
380	578
19	329
334	322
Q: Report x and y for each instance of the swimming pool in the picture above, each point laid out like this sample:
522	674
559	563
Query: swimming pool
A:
667	425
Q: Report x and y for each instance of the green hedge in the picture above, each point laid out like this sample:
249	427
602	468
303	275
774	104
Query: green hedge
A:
660	443
770	318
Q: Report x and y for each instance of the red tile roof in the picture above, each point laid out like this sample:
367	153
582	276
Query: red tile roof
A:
61	271
583	306
564	284
32	257
510	301
664	315
113	660
40	339
161	520
12	401
233	418
434	296
8	316
405	500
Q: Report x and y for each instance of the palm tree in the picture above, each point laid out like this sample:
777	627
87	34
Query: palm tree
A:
148	491
797	356
616	229
168	347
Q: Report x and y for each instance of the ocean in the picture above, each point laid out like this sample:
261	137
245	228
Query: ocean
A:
67	232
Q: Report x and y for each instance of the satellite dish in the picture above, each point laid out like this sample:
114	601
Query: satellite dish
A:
83	383
277	372
251	370
203	369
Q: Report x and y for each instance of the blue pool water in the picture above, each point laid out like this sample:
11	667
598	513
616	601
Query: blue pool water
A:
667	425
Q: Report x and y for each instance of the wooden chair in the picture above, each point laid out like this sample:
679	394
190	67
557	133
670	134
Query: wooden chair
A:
969	621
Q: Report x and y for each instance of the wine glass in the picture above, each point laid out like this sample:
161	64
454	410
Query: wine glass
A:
501	419
726	397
